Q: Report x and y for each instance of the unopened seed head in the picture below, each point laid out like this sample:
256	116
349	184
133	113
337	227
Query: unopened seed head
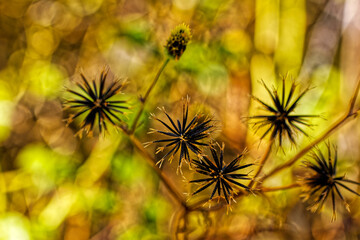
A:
178	40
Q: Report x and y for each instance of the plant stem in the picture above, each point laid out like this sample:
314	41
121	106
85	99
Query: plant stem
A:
143	99
347	116
261	164
341	121
150	160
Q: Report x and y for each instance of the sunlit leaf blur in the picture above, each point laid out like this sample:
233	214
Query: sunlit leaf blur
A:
55	185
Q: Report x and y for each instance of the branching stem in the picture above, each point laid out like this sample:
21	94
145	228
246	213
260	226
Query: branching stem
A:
350	113
149	159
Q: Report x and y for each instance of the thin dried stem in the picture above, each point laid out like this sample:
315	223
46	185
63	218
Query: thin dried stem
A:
262	162
144	98
151	161
350	113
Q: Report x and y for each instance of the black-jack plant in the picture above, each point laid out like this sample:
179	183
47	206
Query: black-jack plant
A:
190	136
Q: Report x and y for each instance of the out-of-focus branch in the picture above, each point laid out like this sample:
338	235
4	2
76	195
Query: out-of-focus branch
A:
324	38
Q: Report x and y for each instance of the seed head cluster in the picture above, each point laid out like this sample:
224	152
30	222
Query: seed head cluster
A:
189	138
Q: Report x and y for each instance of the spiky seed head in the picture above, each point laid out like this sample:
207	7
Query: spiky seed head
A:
94	102
186	135
224	176
280	119
322	181
178	40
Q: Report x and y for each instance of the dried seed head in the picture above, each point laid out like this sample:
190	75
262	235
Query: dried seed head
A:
184	135
224	177
96	104
178	40
322	181
280	119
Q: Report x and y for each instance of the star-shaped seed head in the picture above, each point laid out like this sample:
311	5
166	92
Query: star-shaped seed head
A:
322	181
280	119
183	136
224	177
94	103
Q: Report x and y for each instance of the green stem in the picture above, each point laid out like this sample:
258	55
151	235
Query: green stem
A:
143	99
149	159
